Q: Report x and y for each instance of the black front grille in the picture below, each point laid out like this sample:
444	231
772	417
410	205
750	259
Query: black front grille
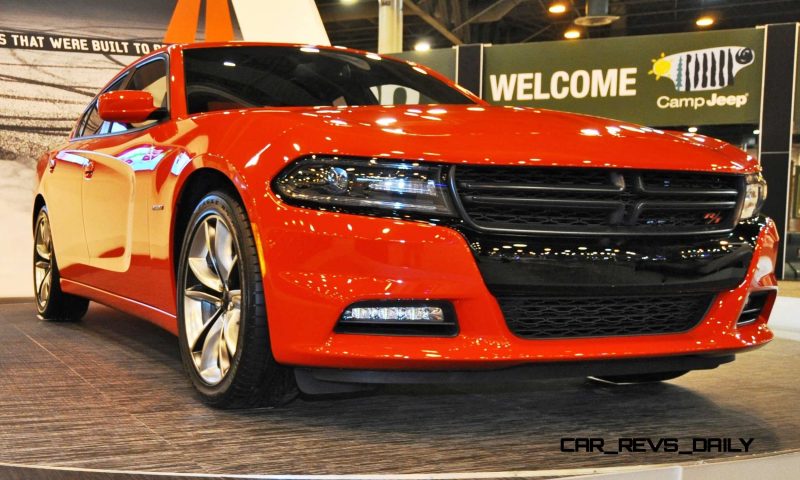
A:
602	316
596	201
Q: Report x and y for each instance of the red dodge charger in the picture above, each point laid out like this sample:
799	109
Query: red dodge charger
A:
329	219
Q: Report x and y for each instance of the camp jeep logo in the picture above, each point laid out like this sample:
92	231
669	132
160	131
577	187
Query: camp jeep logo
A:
706	69
703	70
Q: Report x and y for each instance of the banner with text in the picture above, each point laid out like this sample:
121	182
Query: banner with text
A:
701	78
64	43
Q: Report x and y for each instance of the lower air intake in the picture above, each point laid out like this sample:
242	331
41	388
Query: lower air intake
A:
602	316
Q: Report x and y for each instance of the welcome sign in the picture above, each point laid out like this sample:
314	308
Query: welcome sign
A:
701	78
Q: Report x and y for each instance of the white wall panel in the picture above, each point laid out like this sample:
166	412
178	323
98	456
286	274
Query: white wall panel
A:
285	21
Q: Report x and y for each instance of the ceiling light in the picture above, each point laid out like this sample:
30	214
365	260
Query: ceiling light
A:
557	8
572	33
349	2
692	129
705	21
422	46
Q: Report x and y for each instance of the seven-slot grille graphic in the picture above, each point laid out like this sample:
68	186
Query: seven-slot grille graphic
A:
572	317
579	201
711	68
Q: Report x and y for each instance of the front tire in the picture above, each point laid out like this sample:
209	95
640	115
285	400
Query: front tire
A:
51	303
222	322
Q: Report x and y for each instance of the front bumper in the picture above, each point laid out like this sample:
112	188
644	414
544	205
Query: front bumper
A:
337	380
316	264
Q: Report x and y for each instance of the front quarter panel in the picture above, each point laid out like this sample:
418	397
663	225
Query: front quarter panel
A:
218	142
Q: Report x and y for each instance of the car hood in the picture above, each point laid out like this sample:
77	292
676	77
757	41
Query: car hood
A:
500	136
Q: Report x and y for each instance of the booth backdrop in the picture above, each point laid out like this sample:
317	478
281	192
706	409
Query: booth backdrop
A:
54	56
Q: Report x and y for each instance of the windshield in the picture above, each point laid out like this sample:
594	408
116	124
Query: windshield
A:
243	77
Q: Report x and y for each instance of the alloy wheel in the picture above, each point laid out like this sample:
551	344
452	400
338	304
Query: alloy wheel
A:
212	298
43	261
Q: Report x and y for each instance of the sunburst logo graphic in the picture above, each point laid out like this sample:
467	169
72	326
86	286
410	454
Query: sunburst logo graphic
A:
706	69
661	67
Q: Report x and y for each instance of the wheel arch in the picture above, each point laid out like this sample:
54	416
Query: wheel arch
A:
38	203
196	185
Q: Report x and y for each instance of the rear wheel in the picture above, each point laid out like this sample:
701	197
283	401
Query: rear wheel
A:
51	302
640	378
222	320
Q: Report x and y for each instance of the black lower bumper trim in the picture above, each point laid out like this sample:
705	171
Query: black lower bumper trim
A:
308	377
565	266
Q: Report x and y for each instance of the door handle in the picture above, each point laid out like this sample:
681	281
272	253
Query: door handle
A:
88	170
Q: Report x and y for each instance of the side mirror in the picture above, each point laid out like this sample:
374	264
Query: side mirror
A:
126	106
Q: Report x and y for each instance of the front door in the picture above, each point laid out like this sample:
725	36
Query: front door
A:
116	190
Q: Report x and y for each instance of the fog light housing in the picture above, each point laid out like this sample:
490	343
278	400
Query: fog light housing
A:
754	307
399	317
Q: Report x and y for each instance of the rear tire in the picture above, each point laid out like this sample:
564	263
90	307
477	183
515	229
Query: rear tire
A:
640	378
222	321
51	303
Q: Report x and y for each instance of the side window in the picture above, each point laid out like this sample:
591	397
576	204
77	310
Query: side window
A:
91	123
150	77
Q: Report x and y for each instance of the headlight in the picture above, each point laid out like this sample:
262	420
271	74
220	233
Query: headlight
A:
754	196
371	184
